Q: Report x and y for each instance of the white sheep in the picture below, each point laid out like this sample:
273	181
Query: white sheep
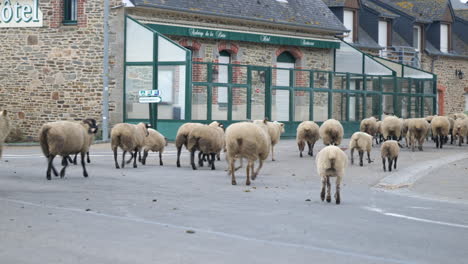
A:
275	129
440	128
182	137
404	131
5	128
390	151
250	141
417	131
331	132
369	125
307	132
331	161
362	142
391	128
65	138
90	141
154	142
208	139
130	138
379	134
460	130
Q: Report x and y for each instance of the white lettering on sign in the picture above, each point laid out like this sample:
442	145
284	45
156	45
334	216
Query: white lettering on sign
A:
147	100
221	34
265	38
196	33
23	13
308	43
207	33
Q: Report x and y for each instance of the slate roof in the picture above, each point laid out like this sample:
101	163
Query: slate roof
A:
334	3
303	13
425	11
462	13
383	12
366	41
459	48
457	4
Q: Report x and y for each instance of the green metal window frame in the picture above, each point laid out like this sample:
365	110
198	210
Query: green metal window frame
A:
70	11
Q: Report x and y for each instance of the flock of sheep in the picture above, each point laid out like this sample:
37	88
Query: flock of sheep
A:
251	141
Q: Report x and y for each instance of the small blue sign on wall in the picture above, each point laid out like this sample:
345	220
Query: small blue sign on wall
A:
148	93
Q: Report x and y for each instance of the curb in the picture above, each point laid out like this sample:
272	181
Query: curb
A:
35	144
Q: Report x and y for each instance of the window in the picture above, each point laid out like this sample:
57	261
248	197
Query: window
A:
70	11
284	60
444	38
417	37
349	22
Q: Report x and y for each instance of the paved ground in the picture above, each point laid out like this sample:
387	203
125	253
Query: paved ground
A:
156	214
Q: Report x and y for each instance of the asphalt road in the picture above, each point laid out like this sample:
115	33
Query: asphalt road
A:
155	214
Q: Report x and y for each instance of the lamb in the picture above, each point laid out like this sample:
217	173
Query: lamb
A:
417	131
128	137
391	128
65	138
440	128
208	139
250	141
154	142
460	130
331	132
369	125
275	129
307	131
389	151
362	142
182	136
331	162
5	128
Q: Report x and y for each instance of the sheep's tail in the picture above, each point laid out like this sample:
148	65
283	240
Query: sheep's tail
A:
439	131
43	140
332	156
239	142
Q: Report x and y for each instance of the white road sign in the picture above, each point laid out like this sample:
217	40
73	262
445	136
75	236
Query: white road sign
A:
149	99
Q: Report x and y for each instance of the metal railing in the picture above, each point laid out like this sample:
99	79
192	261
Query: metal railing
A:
402	54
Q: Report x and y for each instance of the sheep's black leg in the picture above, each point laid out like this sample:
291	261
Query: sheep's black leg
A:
328	190
139	156
441	140
310	149
54	171
301	146
368	157
179	149
322	194
145	155
160	158
135	158
213	157
74	159
115	159
436	139
394	166
50	165
249	164
390	162
361	157
65	164
337	192
87	157
231	170
383	162
192	159
85	173
352	156
218	156
123	158
200	159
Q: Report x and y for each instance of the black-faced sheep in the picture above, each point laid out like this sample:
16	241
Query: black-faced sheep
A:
460	130
307	132
275	129
390	151
65	138
130	138
417	131
331	161
391	128
440	128
154	142
208	139
5	128
331	132
91	141
362	142
250	141
182	137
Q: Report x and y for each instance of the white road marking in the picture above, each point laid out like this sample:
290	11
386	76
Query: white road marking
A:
222	234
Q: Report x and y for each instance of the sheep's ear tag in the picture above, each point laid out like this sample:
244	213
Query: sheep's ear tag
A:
148	126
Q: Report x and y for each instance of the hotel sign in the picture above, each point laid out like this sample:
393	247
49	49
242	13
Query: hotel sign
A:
20	13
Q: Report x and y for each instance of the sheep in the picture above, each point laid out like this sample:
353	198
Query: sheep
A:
90	141
440	128
460	116
404	131
389	151
128	137
460	130
331	162
208	139
362	142
154	142
5	128
182	136
250	141
378	134
65	138
307	132
275	129
452	123
369	125
331	132
391	128
417	131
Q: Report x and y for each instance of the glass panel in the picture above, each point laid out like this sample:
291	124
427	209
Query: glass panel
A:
320	106
416	106
139	46
258	94
356	107
372	84
199	102
301	78
339	106
301	105
405	85
339	82
280	105
281	76
239	103
415	73
392	65
428	106
402	103
388	85
372	105
428	87
168	51
239	74
374	68
387	104
199	72
321	80
171	85
137	78
348	59
219	73
355	83
219	103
